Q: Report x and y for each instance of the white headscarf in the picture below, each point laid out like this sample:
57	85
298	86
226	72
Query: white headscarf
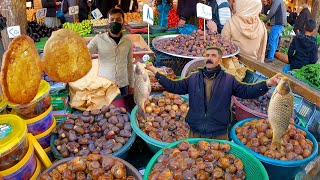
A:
248	7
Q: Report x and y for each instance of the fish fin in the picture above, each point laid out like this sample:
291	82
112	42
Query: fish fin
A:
275	144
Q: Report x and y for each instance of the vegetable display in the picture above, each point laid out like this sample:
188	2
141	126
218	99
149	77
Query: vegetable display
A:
206	161
257	135
194	44
288	29
82	28
173	18
309	74
37	31
92	166
165	118
102	132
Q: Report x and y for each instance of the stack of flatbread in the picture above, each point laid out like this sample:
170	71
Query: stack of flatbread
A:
92	91
66	59
233	67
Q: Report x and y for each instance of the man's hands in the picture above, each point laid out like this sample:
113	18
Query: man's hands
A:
212	26
181	23
150	67
274	81
58	3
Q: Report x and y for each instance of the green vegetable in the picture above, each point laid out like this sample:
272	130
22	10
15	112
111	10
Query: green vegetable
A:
309	74
287	30
284	50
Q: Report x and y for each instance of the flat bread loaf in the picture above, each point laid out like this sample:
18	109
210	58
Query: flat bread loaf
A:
21	71
66	56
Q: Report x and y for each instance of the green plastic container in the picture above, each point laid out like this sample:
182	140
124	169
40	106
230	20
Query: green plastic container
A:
153	144
252	166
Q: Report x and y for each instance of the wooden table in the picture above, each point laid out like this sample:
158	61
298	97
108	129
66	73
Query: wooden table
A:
270	69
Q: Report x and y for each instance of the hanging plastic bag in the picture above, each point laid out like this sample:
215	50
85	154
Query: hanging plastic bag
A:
163	11
187	29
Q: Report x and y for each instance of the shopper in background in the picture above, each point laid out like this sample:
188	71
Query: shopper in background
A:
84	9
128	5
105	5
303	17
303	49
289	15
51	19
278	19
246	30
187	11
115	53
65	9
292	17
221	12
210	90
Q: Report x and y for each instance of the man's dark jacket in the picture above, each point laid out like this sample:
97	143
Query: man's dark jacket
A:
303	17
105	6
212	119
303	50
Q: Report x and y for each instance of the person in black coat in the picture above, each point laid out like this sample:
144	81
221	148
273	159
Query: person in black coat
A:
105	6
125	5
51	19
303	49
187	11
303	17
210	90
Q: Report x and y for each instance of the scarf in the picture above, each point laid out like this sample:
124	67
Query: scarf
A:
212	72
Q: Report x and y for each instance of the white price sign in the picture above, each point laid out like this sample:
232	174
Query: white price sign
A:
147	14
96	14
13	31
28	4
204	11
73	10
41	13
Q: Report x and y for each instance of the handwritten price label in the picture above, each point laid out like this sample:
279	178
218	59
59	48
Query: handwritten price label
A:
13	31
96	14
204	11
41	13
73	10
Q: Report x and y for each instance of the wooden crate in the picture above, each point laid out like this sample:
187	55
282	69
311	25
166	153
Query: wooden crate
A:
138	41
37	4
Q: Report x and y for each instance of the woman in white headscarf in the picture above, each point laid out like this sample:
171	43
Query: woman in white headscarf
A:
246	30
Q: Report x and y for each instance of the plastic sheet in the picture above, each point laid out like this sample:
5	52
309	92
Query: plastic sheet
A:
187	29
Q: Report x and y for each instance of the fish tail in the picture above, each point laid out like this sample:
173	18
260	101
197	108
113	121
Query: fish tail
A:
276	143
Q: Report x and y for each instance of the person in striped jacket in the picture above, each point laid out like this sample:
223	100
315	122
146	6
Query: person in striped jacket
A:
221	12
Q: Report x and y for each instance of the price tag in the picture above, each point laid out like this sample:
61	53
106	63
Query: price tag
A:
28	4
13	31
97	14
73	10
268	11
147	14
145	57
204	11
41	13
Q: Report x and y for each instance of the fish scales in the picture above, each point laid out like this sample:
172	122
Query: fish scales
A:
280	111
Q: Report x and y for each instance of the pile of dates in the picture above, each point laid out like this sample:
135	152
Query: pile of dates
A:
257	135
165	117
137	49
102	132
195	44
259	104
93	166
206	161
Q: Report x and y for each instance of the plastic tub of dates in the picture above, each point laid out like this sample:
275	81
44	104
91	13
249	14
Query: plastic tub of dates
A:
93	166
165	120
199	158
103	131
37	106
299	147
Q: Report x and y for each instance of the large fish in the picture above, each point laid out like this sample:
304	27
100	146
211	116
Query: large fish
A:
280	111
142	88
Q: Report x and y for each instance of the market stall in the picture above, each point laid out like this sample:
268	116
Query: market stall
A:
60	120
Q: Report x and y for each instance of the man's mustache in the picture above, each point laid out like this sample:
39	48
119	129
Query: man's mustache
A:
209	62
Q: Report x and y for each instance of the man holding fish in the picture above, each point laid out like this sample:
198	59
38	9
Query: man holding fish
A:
210	90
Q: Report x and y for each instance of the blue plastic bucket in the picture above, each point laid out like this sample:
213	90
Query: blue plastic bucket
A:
153	144
277	169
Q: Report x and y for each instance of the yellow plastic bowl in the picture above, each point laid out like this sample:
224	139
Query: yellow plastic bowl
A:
44	138
25	168
37	171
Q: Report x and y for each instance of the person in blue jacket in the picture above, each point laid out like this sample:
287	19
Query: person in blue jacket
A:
210	90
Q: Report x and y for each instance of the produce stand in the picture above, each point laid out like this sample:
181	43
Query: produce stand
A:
270	69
